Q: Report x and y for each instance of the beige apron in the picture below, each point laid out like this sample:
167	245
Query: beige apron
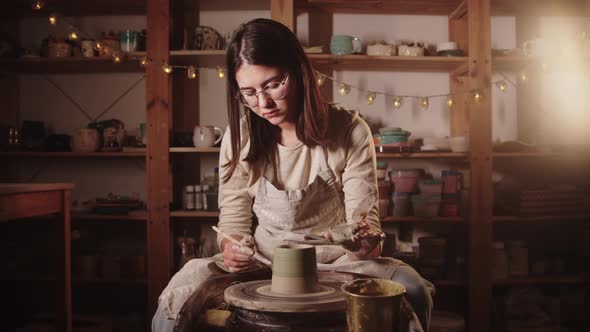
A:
287	215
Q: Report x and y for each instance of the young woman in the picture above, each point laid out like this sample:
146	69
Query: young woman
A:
298	164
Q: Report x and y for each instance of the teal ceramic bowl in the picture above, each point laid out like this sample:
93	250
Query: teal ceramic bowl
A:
386	139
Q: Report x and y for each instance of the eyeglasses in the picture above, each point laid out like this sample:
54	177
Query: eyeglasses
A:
275	90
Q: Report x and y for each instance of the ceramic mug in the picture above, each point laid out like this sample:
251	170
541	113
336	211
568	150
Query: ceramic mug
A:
345	44
207	136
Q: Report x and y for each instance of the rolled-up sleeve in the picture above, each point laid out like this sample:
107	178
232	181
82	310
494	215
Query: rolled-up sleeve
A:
359	179
235	199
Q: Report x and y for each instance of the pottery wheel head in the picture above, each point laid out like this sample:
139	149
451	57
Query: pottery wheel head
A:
257	295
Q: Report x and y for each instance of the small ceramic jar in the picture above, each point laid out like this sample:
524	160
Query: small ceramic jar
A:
85	140
405	50
381	49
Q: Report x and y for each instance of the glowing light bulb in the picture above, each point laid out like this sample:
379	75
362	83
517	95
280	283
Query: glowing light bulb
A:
167	68
501	85
37	5
220	73
98	46
143	61
117	57
73	35
371	98
523	76
450	102
320	79
343	89
477	96
53	19
191	73
397	102
424	102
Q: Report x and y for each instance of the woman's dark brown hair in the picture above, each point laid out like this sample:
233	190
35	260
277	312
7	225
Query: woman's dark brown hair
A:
270	43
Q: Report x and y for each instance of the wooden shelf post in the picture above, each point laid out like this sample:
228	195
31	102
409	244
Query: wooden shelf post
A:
480	118
159	107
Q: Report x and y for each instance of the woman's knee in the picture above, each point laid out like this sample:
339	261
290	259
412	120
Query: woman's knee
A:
418	292
161	323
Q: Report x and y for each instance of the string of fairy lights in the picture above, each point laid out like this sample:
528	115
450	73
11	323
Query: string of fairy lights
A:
344	88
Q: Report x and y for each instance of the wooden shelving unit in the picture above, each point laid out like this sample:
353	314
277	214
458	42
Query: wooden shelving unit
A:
469	22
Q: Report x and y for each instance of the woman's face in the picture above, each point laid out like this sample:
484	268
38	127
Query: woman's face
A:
270	90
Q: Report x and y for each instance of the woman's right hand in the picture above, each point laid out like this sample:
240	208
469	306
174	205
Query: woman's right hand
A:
235	258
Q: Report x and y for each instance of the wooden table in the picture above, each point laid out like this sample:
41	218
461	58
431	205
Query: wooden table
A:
18	201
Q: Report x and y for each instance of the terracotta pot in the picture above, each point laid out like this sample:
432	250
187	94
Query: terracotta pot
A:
85	140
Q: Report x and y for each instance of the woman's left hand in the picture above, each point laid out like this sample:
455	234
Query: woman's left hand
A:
363	242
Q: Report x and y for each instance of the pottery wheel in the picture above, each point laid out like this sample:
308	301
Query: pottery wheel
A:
256	295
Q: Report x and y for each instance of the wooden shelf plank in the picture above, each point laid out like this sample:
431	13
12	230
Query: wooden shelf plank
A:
76	8
511	63
400	7
541	280
401	63
566	154
517	219
135	215
68	65
540	7
530	63
197	53
72	154
185	53
194	150
421	154
194	214
453	220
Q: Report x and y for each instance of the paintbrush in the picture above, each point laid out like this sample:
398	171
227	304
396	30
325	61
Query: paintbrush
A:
244	249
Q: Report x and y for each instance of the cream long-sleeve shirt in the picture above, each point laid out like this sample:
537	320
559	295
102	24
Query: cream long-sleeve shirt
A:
350	155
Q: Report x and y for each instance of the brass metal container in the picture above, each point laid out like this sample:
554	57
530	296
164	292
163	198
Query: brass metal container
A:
373	305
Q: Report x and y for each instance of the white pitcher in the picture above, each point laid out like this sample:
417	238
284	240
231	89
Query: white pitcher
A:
207	136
